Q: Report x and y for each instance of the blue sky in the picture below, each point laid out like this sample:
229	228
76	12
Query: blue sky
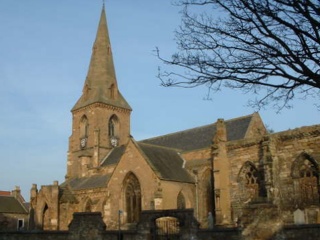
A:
45	48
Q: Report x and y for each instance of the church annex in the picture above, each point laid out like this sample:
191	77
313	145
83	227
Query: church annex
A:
233	168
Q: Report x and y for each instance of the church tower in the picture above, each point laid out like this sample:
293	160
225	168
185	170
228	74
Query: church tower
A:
101	116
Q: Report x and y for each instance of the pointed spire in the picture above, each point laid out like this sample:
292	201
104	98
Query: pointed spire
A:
101	84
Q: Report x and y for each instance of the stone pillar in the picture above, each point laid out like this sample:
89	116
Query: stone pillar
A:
33	204
221	171
55	205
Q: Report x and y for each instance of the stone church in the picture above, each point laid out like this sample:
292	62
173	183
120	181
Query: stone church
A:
233	168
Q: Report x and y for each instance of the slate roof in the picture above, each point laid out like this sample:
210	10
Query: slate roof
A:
166	162
201	137
9	204
99	181
114	156
66	195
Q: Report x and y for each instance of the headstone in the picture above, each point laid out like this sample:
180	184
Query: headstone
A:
210	220
298	217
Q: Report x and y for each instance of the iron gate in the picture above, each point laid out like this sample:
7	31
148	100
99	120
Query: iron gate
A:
167	228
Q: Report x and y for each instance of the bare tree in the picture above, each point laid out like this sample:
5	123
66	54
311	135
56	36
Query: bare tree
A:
267	47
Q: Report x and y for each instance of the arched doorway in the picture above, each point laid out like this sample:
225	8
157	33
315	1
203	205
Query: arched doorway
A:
46	218
132	196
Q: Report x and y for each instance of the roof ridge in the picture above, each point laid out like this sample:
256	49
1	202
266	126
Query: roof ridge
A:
169	134
159	146
241	117
191	129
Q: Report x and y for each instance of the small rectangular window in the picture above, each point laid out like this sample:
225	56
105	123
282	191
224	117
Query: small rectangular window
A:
20	224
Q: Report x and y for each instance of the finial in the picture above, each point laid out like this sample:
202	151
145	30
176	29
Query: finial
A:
103	3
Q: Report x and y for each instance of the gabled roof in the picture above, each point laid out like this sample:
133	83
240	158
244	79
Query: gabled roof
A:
9	204
201	137
98	181
167	163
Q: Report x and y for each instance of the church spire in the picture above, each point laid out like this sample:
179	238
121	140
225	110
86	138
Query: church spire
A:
101	84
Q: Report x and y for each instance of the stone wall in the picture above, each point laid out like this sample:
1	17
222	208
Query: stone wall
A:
90	226
276	183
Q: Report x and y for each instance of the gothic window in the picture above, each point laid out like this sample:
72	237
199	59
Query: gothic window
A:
132	194
306	177
249	182
84	127
181	202
113	126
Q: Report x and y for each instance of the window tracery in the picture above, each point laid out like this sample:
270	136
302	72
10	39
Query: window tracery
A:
132	198
113	126
249	182
306	177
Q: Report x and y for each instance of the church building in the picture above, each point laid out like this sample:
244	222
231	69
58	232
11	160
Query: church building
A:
233	168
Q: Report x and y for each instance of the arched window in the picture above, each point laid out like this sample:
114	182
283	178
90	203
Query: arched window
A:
132	198
249	182
113	126
305	173
88	206
84	127
181	202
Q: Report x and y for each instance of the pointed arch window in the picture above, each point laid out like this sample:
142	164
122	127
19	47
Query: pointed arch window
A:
84	127
305	172
83	131
113	126
249	182
88	206
132	198
181	202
